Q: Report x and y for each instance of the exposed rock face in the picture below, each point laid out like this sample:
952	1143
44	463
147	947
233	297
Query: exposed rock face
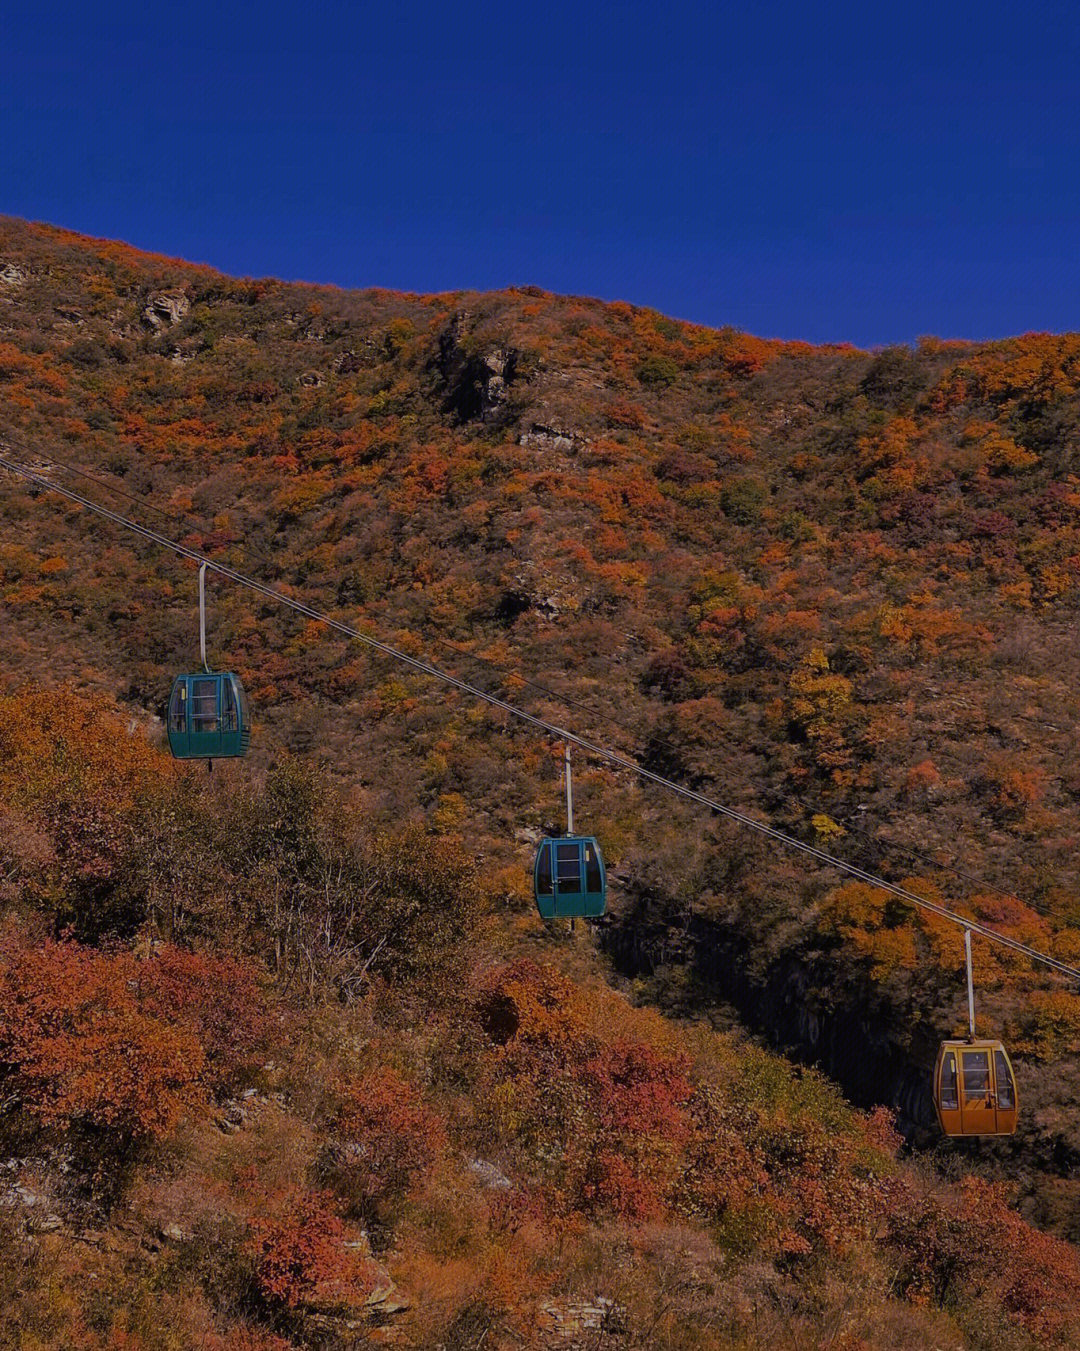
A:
477	382
164	309
10	275
239	1113
570	1321
488	1175
559	440
360	1317
497	369
37	1214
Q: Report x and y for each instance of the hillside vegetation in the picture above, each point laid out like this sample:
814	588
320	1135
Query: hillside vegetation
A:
262	1093
830	587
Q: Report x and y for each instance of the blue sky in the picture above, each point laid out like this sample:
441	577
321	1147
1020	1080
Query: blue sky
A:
827	171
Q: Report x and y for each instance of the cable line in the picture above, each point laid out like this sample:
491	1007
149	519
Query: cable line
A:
551	729
569	701
180	518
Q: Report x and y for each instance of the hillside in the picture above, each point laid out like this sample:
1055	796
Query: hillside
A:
831	587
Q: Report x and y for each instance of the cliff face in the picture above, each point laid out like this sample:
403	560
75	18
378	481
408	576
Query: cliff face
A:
837	588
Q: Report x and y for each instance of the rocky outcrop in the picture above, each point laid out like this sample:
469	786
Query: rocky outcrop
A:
489	1177
555	440
12	276
571	1322
164	309
360	1316
239	1113
477	381
33	1206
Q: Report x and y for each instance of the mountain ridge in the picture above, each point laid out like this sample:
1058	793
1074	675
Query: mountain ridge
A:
833	586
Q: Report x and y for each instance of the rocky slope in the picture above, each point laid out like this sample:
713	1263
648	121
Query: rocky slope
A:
833	587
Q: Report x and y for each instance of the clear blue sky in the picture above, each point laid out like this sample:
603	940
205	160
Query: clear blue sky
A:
828	171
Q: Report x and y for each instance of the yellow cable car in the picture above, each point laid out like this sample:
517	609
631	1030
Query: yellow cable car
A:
975	1089
974	1084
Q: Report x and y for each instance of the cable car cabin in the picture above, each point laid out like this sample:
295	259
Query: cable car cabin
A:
208	717
975	1089
569	880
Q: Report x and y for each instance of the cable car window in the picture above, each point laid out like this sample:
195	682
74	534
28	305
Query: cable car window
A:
950	1100
242	699
976	1075
543	871
228	707
568	867
592	869
1006	1090
204	705
178	708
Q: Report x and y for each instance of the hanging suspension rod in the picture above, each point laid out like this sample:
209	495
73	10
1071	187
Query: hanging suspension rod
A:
569	790
202	616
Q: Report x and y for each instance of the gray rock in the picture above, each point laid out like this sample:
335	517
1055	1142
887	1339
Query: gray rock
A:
568	1319
554	440
164	309
43	1223
488	1175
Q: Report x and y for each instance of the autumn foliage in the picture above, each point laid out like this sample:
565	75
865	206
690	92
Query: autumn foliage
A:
107	1040
384	1138
640	1131
302	1258
833	588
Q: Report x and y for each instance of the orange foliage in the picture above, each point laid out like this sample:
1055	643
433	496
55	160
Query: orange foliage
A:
977	1245
78	767
302	1257
386	1138
80	1045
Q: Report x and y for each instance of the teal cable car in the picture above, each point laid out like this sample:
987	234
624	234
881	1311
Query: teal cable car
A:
208	715
569	879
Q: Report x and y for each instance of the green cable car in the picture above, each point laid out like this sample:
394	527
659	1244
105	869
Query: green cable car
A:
569	880
208	716
208	710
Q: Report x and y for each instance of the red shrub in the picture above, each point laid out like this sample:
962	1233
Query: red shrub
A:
78	1043
301	1257
386	1139
217	997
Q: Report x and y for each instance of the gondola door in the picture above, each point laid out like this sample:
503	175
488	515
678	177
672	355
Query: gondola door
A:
977	1099
204	716
568	877
1004	1092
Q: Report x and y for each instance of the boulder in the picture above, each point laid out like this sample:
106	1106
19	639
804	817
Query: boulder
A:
486	1173
163	309
570	1320
555	440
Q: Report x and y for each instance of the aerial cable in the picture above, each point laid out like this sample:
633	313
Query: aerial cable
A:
551	729
570	702
137	499
180	518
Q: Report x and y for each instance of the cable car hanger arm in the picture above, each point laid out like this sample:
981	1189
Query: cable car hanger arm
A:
600	752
